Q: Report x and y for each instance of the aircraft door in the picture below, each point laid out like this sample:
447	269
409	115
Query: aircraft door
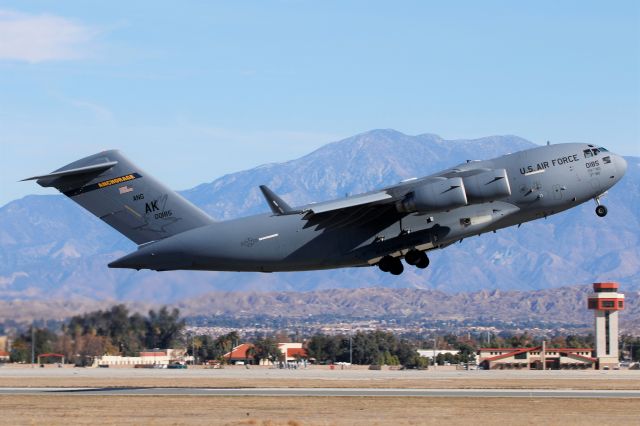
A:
593	174
595	183
557	192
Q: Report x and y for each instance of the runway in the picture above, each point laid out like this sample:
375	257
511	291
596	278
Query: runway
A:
329	392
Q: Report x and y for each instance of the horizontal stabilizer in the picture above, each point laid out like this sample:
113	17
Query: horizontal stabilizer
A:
277	205
95	168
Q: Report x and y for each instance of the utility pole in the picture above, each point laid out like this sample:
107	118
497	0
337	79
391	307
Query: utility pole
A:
435	346
193	349
33	343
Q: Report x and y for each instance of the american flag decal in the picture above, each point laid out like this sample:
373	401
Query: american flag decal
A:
125	189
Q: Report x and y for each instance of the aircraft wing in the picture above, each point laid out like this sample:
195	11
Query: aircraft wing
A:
462	185
380	198
347	203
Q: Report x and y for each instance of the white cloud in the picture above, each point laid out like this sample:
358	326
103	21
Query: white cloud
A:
99	111
39	38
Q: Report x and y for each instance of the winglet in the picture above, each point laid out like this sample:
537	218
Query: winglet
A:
278	205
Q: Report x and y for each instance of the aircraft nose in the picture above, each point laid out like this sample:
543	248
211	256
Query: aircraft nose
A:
621	165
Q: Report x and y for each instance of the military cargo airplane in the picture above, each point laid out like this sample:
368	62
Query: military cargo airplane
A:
382	227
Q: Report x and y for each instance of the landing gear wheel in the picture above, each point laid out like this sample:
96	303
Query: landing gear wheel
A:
385	263
413	257
396	268
601	211
391	264
423	262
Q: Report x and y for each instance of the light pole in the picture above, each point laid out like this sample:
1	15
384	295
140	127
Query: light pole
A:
33	344
193	348
435	346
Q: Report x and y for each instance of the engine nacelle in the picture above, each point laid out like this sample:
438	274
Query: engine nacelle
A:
487	186
437	196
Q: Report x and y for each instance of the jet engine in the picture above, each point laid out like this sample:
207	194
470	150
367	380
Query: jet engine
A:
490	185
444	194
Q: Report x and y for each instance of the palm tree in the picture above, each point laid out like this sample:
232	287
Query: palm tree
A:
250	354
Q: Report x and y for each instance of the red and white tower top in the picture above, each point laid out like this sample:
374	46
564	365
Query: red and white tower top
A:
605	297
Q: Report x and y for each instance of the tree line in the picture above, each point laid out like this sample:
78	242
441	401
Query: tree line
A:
111	332
372	347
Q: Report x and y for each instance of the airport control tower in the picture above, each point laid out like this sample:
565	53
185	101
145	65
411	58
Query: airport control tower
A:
606	302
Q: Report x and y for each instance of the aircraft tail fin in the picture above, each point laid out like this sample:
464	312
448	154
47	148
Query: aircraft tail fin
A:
126	198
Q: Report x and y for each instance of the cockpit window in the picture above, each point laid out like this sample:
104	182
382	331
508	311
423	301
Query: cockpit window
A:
592	152
603	149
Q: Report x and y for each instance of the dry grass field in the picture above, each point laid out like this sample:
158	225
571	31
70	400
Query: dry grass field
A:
321	410
290	411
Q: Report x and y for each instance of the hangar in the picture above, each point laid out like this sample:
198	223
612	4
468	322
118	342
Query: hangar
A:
534	358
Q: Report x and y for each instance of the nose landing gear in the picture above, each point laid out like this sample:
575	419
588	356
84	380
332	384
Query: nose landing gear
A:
601	210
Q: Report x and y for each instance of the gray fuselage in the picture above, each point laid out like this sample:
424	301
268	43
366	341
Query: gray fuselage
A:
543	181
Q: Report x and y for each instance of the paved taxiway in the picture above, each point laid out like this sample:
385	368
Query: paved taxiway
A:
318	392
312	372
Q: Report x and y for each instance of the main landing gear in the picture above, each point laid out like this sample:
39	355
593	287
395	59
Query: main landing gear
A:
601	210
394	265
417	258
391	264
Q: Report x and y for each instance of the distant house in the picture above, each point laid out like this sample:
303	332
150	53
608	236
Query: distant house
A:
240	354
535	358
292	352
4	356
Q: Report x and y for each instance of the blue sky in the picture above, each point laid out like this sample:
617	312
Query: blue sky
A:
195	91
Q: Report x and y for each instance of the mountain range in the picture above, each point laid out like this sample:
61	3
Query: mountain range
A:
557	307
564	305
50	248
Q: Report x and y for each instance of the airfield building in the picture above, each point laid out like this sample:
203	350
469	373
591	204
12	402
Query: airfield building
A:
291	352
605	301
149	357
242	353
536	358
